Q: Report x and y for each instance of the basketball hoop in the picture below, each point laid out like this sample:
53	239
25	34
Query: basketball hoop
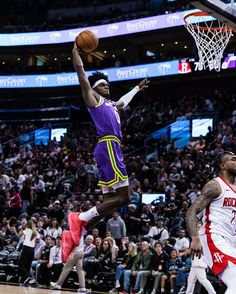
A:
211	37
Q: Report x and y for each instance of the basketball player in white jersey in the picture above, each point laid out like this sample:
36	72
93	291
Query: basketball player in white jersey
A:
215	240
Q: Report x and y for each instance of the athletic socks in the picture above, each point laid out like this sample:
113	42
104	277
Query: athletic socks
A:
88	215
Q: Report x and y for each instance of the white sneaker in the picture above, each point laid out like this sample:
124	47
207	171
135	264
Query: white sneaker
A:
55	286
182	290
82	290
33	281
153	291
112	291
117	284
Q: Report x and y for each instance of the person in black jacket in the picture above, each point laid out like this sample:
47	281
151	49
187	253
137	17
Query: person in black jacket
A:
126	263
102	261
158	268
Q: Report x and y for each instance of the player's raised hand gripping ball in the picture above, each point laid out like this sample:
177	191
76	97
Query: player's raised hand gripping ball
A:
87	41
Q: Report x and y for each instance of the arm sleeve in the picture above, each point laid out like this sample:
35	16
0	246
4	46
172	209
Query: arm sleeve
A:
129	96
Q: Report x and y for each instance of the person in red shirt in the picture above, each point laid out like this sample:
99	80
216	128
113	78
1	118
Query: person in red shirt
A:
15	204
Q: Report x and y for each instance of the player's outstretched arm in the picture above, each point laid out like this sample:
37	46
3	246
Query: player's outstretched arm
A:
87	91
125	100
210	191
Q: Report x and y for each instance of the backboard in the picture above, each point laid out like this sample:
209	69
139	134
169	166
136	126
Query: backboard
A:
223	10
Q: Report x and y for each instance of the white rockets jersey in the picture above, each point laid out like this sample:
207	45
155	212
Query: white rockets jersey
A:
220	215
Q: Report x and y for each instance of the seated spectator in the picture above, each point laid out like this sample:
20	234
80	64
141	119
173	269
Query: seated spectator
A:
168	245
89	246
158	232
182	243
173	265
39	244
55	260
102	262
126	264
114	247
42	271
40	229
158	268
174	176
54	230
141	264
123	248
56	212
95	233
147	219
11	238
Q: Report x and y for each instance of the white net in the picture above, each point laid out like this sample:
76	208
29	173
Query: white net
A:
211	37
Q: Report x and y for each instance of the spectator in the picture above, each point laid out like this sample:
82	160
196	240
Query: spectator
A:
11	237
26	194
126	264
89	246
132	220
123	249
158	232
55	260
39	188
54	230
103	261
67	193
141	264
157	269
173	265
15	204
147	219
42	271
116	226
182	243
56	212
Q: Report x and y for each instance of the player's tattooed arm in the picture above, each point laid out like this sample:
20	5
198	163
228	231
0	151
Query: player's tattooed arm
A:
210	191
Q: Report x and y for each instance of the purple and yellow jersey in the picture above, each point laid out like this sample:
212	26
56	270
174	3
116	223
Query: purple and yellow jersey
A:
106	118
108	152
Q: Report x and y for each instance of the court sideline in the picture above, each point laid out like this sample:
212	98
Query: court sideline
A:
15	289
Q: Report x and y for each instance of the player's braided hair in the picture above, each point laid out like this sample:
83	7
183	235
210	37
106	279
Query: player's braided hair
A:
218	159
97	76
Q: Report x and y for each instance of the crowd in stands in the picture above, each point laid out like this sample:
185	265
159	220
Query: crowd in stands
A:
32	15
45	183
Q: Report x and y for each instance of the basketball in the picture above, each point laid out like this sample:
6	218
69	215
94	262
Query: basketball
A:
87	41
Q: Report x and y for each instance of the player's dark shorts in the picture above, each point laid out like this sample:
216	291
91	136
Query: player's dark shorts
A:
110	159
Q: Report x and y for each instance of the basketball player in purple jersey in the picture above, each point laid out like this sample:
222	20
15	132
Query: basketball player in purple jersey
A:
113	174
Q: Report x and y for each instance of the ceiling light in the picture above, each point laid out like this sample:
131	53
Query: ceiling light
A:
185	46
3	62
18	58
105	51
113	55
69	58
55	59
176	42
124	49
162	44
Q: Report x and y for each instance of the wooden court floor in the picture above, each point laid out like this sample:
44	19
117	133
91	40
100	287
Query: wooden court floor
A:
16	289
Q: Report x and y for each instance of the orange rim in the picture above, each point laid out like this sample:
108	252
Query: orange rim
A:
201	13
